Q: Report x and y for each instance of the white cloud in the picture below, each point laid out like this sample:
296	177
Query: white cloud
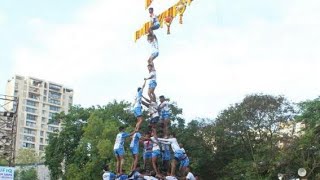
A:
202	65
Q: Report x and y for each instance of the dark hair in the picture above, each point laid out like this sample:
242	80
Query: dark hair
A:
106	167
121	128
162	96
139	88
152	173
151	8
149	65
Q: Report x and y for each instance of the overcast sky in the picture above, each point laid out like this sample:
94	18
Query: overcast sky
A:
225	49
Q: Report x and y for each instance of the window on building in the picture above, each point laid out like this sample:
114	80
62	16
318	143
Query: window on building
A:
29	138
41	140
41	133
31	103
51	115
53	129
31	117
33	96
43	120
31	124
54	101
28	145
31	110
41	147
29	131
54	108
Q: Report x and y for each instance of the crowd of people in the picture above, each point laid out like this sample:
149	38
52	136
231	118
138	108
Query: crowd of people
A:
157	140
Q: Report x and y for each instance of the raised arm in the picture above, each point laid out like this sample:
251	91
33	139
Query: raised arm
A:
170	140
144	84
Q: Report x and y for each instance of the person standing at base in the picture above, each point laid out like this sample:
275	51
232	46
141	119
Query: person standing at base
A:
147	150
152	83
179	155
107	175
156	153
134	148
164	114
119	147
138	106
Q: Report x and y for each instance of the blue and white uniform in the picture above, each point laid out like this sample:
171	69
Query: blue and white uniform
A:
147	148
134	145
154	48
108	176
164	110
155	24
137	109
179	153
166	155
122	177
153	112
118	148
153	80
155	148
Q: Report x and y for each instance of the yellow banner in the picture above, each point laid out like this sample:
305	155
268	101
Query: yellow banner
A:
172	11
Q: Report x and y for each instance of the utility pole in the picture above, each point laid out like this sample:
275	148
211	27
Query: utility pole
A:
8	128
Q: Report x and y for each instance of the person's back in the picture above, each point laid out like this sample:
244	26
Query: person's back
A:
107	175
123	177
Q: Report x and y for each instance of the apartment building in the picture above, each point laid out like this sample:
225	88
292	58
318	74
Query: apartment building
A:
39	100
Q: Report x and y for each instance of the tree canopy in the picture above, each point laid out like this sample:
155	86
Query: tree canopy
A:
253	139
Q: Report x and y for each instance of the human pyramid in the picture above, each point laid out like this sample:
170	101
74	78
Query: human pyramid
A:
156	145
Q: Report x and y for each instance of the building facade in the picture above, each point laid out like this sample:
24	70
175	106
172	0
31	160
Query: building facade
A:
39	100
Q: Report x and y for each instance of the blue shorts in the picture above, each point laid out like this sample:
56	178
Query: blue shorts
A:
166	155
154	120
155	26
152	84
119	152
184	163
179	155
137	111
134	150
156	153
165	115
154	55
147	155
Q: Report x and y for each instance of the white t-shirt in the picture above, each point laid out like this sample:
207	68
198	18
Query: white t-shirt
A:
164	106
108	176
154	75
120	140
153	108
190	176
149	178
155	145
154	46
154	19
173	141
171	178
138	99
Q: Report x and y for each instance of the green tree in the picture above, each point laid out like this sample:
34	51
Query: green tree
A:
26	174
27	156
246	136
